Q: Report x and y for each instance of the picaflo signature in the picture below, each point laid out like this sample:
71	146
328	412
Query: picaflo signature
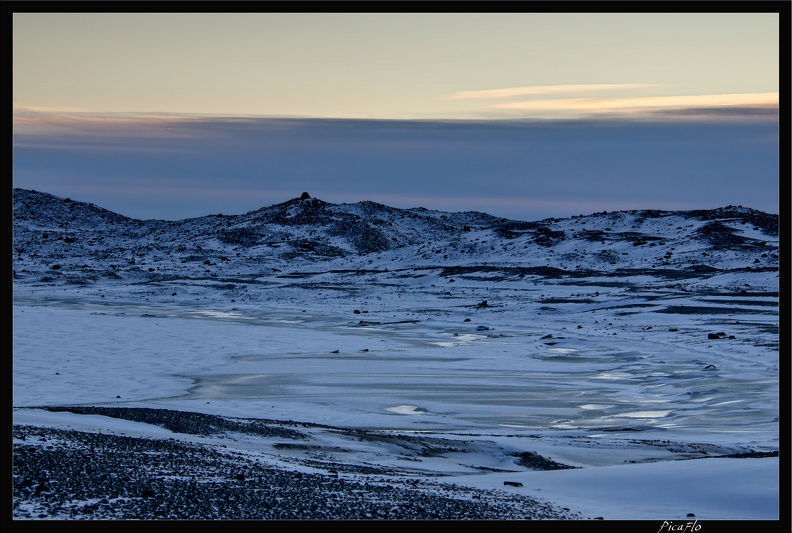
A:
679	527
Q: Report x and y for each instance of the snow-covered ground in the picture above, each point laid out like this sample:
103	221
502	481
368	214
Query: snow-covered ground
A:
631	406
629	395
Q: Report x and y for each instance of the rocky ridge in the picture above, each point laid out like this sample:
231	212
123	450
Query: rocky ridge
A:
62	240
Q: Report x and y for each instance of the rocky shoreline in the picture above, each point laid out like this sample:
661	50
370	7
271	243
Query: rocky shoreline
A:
62	474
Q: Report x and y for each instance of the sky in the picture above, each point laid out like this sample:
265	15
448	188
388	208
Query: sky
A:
521	115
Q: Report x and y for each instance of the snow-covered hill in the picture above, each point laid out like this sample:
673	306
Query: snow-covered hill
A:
63	240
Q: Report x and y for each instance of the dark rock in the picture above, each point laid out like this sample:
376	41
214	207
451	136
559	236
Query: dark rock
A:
535	461
513	483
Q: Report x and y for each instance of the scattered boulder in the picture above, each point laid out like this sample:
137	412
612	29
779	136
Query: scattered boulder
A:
513	483
534	461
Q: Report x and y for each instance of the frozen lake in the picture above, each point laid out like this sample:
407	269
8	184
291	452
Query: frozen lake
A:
430	375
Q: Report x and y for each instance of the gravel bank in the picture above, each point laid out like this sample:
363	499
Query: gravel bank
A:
63	474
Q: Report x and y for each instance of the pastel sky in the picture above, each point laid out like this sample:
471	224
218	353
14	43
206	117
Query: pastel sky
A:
522	115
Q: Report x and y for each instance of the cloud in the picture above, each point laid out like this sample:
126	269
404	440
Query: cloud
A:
519	169
592	105
69	126
545	89
21	110
713	106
